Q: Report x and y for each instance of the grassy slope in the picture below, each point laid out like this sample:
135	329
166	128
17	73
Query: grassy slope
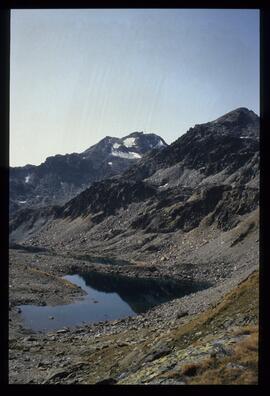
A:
191	358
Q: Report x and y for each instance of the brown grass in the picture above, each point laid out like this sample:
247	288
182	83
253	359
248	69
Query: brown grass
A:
243	299
190	369
239	368
35	270
54	277
245	330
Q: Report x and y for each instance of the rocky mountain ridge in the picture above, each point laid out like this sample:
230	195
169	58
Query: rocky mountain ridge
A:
209	175
204	159
61	177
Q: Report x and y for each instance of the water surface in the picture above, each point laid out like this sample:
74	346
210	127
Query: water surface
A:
108	297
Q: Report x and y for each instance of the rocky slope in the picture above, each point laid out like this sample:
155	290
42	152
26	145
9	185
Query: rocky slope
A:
209	176
61	177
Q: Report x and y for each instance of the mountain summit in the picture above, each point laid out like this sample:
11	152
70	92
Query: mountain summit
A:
61	177
240	122
132	146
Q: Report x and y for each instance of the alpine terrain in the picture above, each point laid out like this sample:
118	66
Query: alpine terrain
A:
177	224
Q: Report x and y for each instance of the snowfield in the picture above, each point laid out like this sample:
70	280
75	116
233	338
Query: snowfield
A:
129	155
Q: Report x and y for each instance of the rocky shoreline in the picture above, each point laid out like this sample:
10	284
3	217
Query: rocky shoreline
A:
32	359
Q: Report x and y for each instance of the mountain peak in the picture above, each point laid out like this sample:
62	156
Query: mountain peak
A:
61	177
240	122
135	134
239	114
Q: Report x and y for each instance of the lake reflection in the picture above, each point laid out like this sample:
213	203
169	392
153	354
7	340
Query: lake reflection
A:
108	297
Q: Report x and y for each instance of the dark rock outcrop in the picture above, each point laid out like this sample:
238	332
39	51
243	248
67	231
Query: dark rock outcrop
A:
103	198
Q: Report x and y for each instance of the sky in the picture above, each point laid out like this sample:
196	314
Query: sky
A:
77	76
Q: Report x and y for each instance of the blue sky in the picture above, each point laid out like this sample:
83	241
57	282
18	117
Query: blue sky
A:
80	75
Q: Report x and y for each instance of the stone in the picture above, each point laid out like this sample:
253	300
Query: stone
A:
62	331
29	338
56	375
122	343
235	366
181	314
163	351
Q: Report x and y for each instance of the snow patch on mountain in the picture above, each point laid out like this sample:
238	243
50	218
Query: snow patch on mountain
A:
27	178
130	155
129	142
135	155
164	185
